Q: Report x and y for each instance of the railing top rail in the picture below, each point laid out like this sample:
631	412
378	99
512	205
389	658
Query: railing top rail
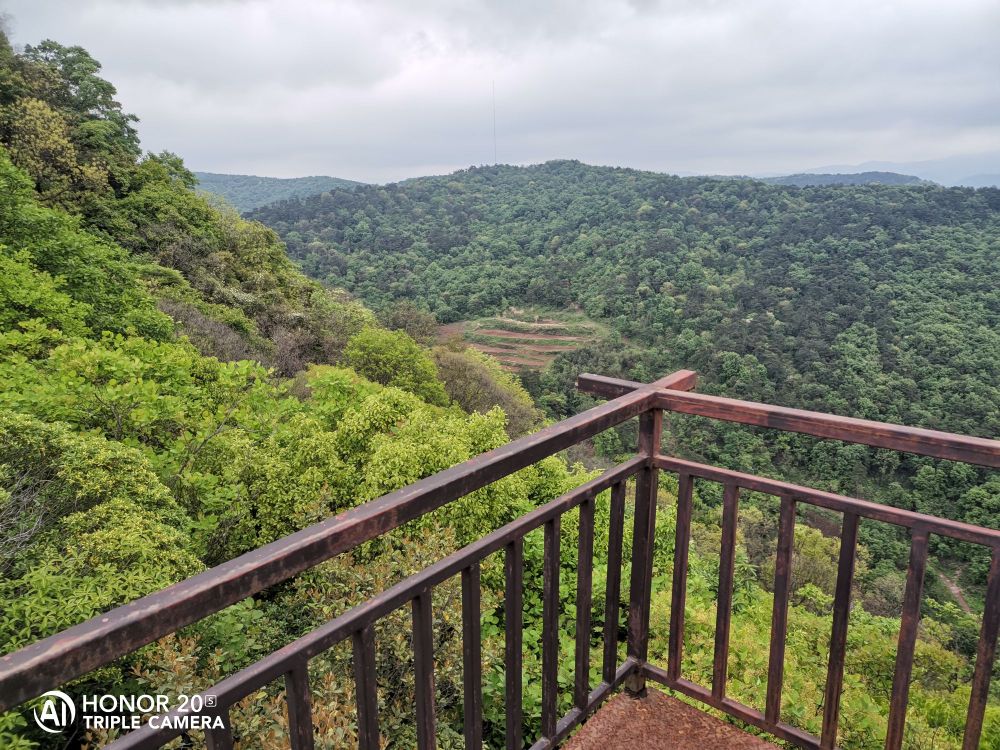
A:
946	445
57	659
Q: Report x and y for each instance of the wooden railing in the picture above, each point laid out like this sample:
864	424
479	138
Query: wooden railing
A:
97	642
924	442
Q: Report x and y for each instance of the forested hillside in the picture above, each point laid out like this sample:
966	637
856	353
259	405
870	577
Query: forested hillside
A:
245	192
174	392
874	301
878	301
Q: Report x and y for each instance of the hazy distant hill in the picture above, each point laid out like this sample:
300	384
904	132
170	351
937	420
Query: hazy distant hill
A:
247	192
968	170
857	178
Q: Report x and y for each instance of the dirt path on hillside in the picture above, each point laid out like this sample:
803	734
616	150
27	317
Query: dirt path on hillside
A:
956	592
830	528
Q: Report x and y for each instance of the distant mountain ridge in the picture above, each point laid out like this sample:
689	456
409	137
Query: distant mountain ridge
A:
968	170
855	178
247	192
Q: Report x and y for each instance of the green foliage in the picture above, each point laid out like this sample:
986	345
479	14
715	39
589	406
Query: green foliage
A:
39	141
333	391
873	300
12	728
237	296
86	98
939	690
417	323
49	472
50	247
827	289
109	555
478	383
393	358
27	294
130	460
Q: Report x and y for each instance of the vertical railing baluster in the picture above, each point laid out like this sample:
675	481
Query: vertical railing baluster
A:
678	597
616	528
472	658
550	627
838	634
366	688
907	638
423	667
584	592
985	654
779	612
724	610
513	623
650	431
221	739
299	700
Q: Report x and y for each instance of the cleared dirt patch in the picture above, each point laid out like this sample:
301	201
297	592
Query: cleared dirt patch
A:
526	339
956	591
526	361
524	335
499	351
452	329
548	350
540	323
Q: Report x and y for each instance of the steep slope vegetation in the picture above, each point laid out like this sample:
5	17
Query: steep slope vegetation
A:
145	429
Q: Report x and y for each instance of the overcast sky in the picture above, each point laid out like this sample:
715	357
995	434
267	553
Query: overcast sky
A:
386	89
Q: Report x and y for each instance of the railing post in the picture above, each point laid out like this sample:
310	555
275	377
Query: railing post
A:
650	429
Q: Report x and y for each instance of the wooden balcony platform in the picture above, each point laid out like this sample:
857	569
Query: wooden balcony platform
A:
659	722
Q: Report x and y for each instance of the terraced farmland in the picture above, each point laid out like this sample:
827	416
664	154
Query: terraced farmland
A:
527	339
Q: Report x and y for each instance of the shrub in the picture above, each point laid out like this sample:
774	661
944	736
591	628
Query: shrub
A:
393	358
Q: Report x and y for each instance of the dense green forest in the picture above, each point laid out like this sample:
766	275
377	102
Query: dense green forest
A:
245	192
174	392
874	301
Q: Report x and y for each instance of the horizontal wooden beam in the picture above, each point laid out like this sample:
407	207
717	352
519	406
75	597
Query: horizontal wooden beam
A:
599	385
972	450
576	715
673	395
738	710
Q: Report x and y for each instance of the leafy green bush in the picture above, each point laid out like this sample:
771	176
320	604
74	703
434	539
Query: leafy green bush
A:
393	358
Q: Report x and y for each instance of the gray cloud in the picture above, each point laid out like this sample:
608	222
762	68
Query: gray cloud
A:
386	89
